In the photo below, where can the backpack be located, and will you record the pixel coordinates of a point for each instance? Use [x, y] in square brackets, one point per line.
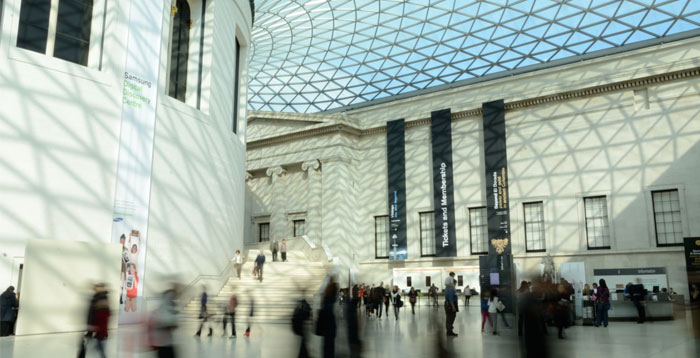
[301, 313]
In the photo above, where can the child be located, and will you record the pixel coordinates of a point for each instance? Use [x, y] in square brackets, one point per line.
[485, 310]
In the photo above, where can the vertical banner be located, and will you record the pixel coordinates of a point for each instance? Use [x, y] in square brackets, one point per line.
[692, 267]
[441, 134]
[133, 186]
[499, 262]
[396, 175]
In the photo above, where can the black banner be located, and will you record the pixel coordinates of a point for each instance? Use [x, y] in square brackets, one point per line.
[496, 269]
[496, 162]
[692, 267]
[630, 271]
[441, 134]
[396, 174]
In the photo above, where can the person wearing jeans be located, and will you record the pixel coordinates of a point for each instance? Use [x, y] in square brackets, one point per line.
[602, 304]
[485, 310]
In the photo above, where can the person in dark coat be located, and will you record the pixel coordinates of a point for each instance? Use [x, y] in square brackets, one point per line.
[259, 263]
[8, 304]
[326, 320]
[97, 320]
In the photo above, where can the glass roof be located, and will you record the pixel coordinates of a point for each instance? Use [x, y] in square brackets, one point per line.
[318, 55]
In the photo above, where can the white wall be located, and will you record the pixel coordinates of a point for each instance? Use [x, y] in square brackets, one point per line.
[61, 123]
[57, 284]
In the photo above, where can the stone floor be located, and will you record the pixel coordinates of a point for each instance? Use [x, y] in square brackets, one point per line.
[410, 336]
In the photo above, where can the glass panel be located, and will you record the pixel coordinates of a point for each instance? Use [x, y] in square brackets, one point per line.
[73, 31]
[179, 51]
[33, 25]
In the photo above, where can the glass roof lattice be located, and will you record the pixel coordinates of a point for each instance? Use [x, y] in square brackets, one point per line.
[328, 55]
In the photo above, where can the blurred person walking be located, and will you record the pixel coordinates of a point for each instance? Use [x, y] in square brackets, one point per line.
[238, 263]
[379, 298]
[602, 303]
[326, 325]
[274, 247]
[162, 324]
[485, 310]
[387, 300]
[396, 300]
[432, 293]
[251, 313]
[97, 321]
[259, 263]
[352, 322]
[467, 296]
[230, 315]
[451, 307]
[204, 313]
[412, 294]
[283, 250]
[521, 297]
[8, 305]
[302, 313]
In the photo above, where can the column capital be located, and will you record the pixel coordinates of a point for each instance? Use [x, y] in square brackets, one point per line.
[276, 170]
[311, 165]
[248, 176]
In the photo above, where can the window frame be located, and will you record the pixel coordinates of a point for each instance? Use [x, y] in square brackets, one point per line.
[653, 212]
[376, 239]
[294, 227]
[260, 231]
[98, 24]
[431, 233]
[236, 84]
[607, 219]
[525, 222]
[471, 238]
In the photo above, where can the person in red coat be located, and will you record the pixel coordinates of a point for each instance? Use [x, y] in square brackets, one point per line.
[98, 319]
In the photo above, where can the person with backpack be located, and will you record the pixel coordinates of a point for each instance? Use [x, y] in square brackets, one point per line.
[302, 313]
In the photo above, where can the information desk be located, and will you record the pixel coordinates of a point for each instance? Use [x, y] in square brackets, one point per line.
[655, 310]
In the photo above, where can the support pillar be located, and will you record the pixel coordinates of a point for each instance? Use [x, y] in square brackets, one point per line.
[278, 222]
[315, 200]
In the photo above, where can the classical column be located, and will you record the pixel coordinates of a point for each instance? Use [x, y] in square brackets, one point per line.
[339, 198]
[277, 206]
[314, 203]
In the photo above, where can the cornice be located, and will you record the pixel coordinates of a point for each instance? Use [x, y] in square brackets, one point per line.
[476, 112]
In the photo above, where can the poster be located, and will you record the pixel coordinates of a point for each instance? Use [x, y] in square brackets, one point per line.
[396, 175]
[133, 186]
[692, 266]
[441, 137]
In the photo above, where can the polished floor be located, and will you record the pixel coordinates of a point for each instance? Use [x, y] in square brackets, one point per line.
[410, 336]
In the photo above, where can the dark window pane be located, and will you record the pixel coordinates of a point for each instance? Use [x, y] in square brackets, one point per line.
[179, 51]
[73, 31]
[33, 25]
[235, 86]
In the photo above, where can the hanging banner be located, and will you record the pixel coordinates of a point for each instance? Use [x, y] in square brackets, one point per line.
[692, 267]
[396, 174]
[499, 262]
[496, 162]
[133, 186]
[441, 134]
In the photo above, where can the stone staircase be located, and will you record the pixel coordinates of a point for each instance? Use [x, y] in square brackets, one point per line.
[275, 298]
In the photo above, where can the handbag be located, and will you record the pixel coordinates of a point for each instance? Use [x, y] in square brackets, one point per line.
[500, 306]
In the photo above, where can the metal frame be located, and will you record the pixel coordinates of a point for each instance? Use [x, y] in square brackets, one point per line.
[607, 218]
[319, 55]
[525, 226]
[420, 232]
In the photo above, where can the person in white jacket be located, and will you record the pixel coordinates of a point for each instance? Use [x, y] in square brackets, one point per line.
[495, 307]
[163, 322]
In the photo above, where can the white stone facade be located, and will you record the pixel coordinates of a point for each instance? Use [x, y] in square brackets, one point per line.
[60, 130]
[620, 126]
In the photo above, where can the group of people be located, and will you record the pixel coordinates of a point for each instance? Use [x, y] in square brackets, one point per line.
[229, 315]
[376, 298]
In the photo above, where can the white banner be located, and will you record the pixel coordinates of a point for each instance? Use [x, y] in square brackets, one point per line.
[133, 187]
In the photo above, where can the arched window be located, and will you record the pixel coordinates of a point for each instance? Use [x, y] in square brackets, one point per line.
[179, 50]
[59, 28]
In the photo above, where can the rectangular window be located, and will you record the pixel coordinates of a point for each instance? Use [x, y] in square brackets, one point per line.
[264, 232]
[534, 227]
[381, 237]
[58, 28]
[460, 280]
[427, 233]
[236, 75]
[408, 281]
[667, 217]
[299, 227]
[478, 231]
[597, 228]
[427, 281]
